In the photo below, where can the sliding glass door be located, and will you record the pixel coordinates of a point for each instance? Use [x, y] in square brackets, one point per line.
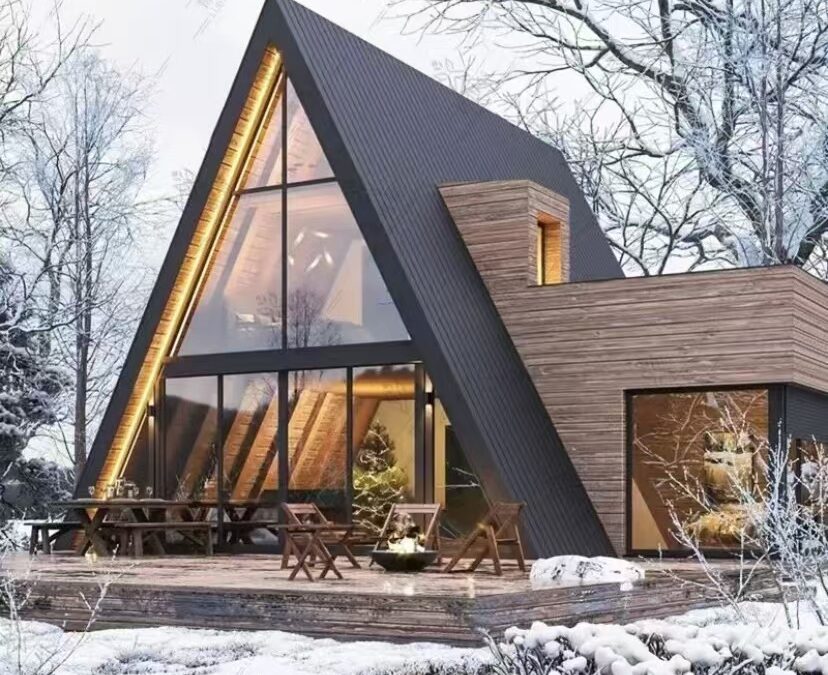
[190, 441]
[354, 441]
[317, 442]
[384, 469]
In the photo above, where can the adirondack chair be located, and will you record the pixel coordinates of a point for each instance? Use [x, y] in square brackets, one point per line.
[500, 527]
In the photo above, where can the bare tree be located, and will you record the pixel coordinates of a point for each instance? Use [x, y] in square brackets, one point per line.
[84, 215]
[719, 108]
[30, 60]
[749, 494]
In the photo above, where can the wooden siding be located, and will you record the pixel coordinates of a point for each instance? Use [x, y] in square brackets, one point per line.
[585, 343]
[500, 226]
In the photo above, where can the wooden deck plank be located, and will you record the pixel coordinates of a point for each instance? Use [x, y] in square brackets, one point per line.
[250, 592]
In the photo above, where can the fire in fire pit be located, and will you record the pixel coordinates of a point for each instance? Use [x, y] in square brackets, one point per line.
[405, 552]
[406, 537]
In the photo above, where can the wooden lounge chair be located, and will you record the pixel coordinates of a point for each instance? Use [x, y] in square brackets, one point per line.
[500, 527]
[337, 536]
[429, 514]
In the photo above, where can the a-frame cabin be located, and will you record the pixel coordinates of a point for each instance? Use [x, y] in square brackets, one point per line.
[318, 303]
[378, 291]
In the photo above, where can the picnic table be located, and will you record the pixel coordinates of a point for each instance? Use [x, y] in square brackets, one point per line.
[239, 523]
[240, 515]
[307, 540]
[106, 510]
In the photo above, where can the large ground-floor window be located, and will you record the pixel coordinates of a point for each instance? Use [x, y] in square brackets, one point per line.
[352, 440]
[694, 457]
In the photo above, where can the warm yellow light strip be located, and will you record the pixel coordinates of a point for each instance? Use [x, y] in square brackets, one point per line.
[198, 252]
[249, 158]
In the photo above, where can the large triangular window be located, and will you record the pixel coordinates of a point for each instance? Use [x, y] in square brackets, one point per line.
[290, 267]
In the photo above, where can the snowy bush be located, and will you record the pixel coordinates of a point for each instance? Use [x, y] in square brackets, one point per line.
[663, 648]
[575, 569]
[14, 536]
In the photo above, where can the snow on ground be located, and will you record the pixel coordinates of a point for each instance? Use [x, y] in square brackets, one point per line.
[14, 536]
[700, 641]
[575, 569]
[181, 650]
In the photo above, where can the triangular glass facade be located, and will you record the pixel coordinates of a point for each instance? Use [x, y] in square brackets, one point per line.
[290, 268]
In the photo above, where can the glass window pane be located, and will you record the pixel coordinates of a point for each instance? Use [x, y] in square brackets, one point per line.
[138, 468]
[305, 157]
[384, 422]
[694, 454]
[335, 292]
[265, 166]
[190, 459]
[456, 485]
[251, 421]
[239, 306]
[317, 439]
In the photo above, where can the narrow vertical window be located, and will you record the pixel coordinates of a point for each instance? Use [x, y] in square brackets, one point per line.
[549, 267]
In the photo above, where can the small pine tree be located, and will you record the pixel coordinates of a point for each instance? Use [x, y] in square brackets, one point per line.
[378, 481]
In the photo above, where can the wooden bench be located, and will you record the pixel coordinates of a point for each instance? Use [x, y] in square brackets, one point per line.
[131, 535]
[41, 533]
[239, 530]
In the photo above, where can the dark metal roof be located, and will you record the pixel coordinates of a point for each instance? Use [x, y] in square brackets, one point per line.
[392, 136]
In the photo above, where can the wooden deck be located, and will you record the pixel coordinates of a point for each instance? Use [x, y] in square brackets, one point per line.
[251, 592]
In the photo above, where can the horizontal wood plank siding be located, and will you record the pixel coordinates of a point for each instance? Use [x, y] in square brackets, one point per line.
[585, 343]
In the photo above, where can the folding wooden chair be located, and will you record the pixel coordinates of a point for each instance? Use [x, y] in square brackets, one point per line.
[500, 527]
[429, 514]
[309, 514]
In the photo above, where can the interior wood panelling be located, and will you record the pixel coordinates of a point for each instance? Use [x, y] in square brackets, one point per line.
[585, 343]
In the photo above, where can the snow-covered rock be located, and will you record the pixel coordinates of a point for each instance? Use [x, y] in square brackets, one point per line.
[567, 570]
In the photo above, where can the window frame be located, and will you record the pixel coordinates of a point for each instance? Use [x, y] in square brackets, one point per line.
[544, 228]
[775, 416]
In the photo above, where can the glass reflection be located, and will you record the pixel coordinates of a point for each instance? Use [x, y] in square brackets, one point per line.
[305, 158]
[335, 292]
[693, 455]
[384, 422]
[265, 166]
[251, 421]
[191, 419]
[317, 439]
[456, 485]
[239, 307]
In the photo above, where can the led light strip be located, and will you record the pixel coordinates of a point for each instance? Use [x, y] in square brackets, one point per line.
[211, 224]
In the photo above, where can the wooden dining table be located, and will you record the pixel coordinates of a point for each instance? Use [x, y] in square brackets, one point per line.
[236, 510]
[93, 514]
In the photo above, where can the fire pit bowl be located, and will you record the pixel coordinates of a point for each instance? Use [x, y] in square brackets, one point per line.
[391, 561]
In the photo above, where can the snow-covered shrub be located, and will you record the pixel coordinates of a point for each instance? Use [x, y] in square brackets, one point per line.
[576, 569]
[14, 536]
[662, 648]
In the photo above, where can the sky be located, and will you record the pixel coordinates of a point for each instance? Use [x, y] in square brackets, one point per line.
[192, 49]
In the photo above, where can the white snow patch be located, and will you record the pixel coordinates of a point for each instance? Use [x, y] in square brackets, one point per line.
[181, 650]
[567, 570]
[14, 536]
